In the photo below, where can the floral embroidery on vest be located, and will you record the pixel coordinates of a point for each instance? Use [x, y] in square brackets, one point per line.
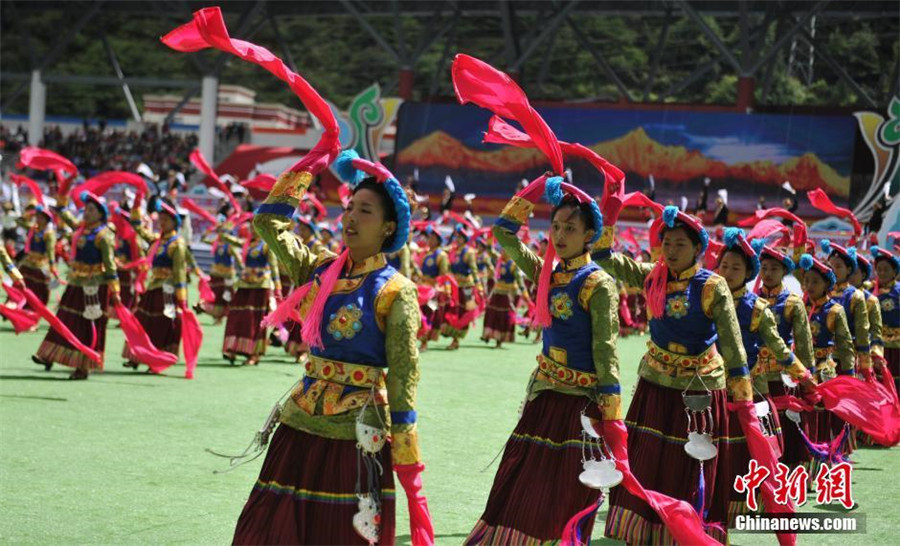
[345, 324]
[677, 306]
[561, 306]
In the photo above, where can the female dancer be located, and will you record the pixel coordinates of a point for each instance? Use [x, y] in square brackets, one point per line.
[160, 307]
[226, 251]
[92, 285]
[738, 265]
[695, 352]
[39, 264]
[793, 327]
[831, 336]
[500, 314]
[366, 315]
[577, 373]
[464, 268]
[435, 264]
[887, 287]
[244, 335]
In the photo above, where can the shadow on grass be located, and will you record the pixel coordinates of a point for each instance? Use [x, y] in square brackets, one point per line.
[34, 377]
[24, 397]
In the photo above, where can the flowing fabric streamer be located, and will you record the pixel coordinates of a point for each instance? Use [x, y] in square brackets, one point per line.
[45, 160]
[206, 292]
[761, 450]
[192, 339]
[101, 183]
[821, 201]
[868, 406]
[38, 306]
[139, 342]
[200, 162]
[770, 230]
[421, 528]
[311, 331]
[479, 83]
[264, 182]
[16, 295]
[640, 200]
[192, 206]
[207, 29]
[22, 320]
[20, 179]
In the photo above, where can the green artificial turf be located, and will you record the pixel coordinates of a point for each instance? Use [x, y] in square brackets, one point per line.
[120, 458]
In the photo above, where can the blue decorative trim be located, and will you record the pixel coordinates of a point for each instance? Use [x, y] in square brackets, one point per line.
[878, 342]
[281, 209]
[403, 417]
[863, 348]
[739, 372]
[604, 254]
[787, 361]
[508, 225]
[609, 389]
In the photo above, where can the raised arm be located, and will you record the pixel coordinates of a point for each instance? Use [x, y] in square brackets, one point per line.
[618, 265]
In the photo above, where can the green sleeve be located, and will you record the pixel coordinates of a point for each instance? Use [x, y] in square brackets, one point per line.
[768, 332]
[190, 260]
[8, 265]
[178, 252]
[603, 307]
[721, 309]
[50, 242]
[405, 262]
[67, 217]
[273, 223]
[402, 354]
[443, 264]
[876, 326]
[860, 321]
[525, 259]
[803, 341]
[843, 342]
[621, 267]
[273, 265]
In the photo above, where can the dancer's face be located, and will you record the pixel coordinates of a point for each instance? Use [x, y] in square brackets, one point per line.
[839, 266]
[92, 213]
[814, 284]
[567, 230]
[678, 250]
[856, 278]
[885, 272]
[771, 272]
[166, 223]
[733, 268]
[365, 226]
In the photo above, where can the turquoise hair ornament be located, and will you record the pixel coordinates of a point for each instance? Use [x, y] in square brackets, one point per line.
[553, 191]
[345, 170]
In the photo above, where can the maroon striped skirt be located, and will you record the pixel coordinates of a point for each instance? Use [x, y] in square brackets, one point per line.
[218, 308]
[657, 433]
[37, 281]
[434, 316]
[536, 490]
[500, 318]
[306, 493]
[56, 349]
[458, 309]
[164, 332]
[244, 335]
[126, 288]
[637, 303]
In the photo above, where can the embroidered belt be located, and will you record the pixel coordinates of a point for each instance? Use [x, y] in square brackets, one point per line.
[255, 274]
[561, 374]
[219, 270]
[507, 287]
[704, 363]
[824, 352]
[79, 269]
[464, 281]
[890, 334]
[36, 260]
[354, 375]
[161, 273]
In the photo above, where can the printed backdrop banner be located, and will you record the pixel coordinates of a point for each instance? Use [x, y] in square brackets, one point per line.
[751, 156]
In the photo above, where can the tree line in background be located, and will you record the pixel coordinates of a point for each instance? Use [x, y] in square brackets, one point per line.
[341, 58]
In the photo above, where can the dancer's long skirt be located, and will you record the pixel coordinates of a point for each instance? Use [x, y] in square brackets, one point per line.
[56, 349]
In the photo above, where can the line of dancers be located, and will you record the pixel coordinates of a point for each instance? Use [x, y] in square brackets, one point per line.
[730, 372]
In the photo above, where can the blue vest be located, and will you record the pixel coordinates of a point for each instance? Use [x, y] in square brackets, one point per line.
[744, 307]
[890, 307]
[89, 253]
[570, 328]
[507, 274]
[38, 244]
[124, 250]
[684, 322]
[162, 258]
[350, 332]
[482, 263]
[430, 263]
[818, 324]
[844, 299]
[222, 255]
[460, 267]
[778, 305]
[257, 256]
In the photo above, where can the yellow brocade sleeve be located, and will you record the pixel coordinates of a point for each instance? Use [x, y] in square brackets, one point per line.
[861, 328]
[402, 354]
[843, 342]
[50, 243]
[803, 343]
[9, 266]
[178, 252]
[876, 335]
[274, 225]
[525, 259]
[768, 332]
[106, 243]
[406, 262]
[621, 267]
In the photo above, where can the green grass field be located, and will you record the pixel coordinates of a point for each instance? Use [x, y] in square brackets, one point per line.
[120, 458]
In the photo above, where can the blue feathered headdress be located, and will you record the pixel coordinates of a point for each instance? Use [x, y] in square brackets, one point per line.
[879, 253]
[100, 202]
[734, 239]
[846, 254]
[808, 263]
[354, 174]
[763, 251]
